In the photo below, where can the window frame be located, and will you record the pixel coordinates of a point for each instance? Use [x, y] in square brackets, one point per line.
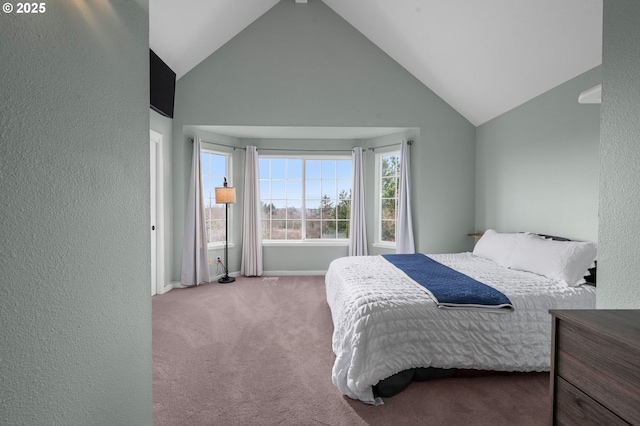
[378, 197]
[229, 176]
[317, 242]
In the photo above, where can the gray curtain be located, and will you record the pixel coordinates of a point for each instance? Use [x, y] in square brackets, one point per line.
[404, 224]
[195, 264]
[252, 225]
[358, 230]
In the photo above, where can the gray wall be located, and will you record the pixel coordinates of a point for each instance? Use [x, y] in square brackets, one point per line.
[619, 231]
[537, 165]
[303, 65]
[75, 340]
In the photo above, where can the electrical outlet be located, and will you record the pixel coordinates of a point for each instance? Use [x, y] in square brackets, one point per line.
[209, 261]
[218, 260]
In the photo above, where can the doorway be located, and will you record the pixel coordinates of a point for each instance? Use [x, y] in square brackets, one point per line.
[156, 210]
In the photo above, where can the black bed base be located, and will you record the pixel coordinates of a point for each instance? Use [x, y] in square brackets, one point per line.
[398, 382]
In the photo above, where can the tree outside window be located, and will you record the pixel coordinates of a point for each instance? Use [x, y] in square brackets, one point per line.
[214, 170]
[388, 201]
[305, 198]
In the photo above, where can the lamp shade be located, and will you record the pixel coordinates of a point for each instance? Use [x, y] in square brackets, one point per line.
[225, 195]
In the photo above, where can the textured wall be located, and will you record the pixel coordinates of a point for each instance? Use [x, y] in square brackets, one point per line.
[75, 340]
[619, 233]
[303, 65]
[537, 165]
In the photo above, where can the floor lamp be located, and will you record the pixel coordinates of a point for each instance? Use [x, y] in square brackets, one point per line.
[226, 195]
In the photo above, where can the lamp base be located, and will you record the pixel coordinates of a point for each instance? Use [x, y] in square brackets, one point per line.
[226, 279]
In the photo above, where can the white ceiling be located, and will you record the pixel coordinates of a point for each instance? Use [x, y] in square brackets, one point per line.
[483, 57]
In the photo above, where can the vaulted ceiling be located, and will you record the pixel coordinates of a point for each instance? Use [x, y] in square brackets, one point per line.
[483, 57]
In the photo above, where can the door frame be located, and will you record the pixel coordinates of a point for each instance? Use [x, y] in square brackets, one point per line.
[156, 172]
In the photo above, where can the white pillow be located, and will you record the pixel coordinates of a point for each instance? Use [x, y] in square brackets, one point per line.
[565, 261]
[498, 246]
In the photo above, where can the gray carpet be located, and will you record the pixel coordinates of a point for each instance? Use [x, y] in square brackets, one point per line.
[258, 352]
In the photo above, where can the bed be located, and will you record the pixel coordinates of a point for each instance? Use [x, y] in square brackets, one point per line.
[386, 323]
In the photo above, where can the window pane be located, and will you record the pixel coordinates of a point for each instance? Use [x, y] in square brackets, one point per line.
[218, 165]
[265, 189]
[312, 168]
[329, 189]
[389, 187]
[266, 229]
[313, 209]
[344, 209]
[217, 212]
[344, 189]
[294, 169]
[207, 190]
[313, 229]
[279, 189]
[294, 230]
[313, 189]
[388, 231]
[279, 209]
[294, 189]
[294, 209]
[266, 210]
[278, 229]
[343, 229]
[390, 165]
[264, 168]
[278, 168]
[328, 209]
[388, 209]
[328, 169]
[217, 230]
[344, 169]
[328, 229]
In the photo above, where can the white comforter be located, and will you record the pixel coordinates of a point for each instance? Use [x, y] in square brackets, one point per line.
[384, 322]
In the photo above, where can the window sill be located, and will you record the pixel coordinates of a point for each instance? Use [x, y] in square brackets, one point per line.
[289, 243]
[217, 246]
[384, 245]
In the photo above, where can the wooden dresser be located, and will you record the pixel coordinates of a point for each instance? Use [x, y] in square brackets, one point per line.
[595, 367]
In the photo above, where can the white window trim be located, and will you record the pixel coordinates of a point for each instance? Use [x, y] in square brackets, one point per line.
[342, 242]
[384, 244]
[336, 242]
[377, 242]
[228, 156]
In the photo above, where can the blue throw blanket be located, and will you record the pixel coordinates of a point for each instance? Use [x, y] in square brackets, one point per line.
[450, 288]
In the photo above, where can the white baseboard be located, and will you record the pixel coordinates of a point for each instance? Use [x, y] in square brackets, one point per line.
[292, 273]
[170, 286]
[176, 284]
[275, 273]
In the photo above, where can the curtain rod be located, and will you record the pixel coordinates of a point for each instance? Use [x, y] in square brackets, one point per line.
[305, 150]
[410, 142]
[276, 149]
[219, 144]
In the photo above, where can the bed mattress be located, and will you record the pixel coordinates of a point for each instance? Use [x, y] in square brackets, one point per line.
[384, 322]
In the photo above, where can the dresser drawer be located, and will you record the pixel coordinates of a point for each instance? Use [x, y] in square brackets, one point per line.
[600, 366]
[574, 407]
